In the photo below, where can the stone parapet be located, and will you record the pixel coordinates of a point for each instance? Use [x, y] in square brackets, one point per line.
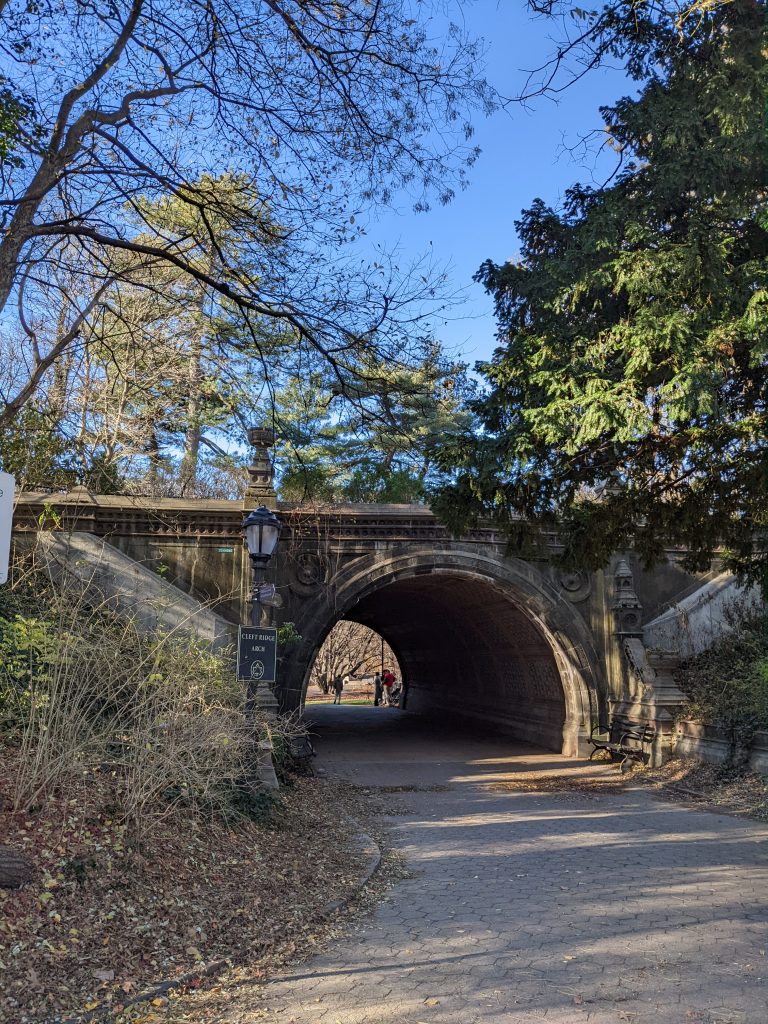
[344, 524]
[708, 744]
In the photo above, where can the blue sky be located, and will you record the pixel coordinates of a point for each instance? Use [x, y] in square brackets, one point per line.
[522, 157]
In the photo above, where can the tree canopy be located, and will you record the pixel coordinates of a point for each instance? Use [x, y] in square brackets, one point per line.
[380, 449]
[158, 398]
[626, 402]
[119, 125]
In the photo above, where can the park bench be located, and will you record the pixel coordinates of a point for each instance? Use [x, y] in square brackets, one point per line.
[627, 740]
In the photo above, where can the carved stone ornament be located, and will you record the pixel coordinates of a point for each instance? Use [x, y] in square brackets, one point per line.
[627, 610]
[576, 585]
[643, 673]
[308, 573]
[261, 488]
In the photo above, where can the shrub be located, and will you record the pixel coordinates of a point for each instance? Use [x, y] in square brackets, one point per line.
[86, 694]
[728, 687]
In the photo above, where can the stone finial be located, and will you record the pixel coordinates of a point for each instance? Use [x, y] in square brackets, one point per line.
[80, 493]
[261, 489]
[627, 609]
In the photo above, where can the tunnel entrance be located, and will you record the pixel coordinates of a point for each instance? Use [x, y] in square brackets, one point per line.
[487, 642]
[467, 650]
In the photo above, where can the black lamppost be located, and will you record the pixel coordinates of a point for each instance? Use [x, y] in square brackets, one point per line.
[262, 532]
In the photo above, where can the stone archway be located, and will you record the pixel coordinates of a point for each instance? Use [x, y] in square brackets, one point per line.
[488, 639]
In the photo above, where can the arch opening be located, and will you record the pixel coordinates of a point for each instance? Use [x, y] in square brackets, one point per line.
[475, 636]
[467, 650]
[486, 638]
[354, 653]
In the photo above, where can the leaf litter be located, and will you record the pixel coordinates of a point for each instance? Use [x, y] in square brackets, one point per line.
[100, 923]
[744, 794]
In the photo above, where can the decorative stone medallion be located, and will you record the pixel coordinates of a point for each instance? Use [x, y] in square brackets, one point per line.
[576, 585]
[308, 573]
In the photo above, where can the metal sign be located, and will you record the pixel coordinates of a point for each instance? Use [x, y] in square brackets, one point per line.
[7, 484]
[257, 653]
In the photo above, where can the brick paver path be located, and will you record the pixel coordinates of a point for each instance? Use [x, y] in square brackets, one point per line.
[527, 907]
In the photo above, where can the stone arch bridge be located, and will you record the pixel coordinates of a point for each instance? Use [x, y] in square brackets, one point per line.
[541, 653]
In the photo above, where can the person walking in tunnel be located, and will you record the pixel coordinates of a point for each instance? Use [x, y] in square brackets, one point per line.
[377, 690]
[389, 681]
[338, 686]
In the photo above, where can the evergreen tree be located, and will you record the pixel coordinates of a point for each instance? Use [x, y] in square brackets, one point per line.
[378, 448]
[626, 403]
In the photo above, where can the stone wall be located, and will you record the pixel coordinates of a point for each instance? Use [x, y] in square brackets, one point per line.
[132, 588]
[211, 569]
[705, 743]
[697, 621]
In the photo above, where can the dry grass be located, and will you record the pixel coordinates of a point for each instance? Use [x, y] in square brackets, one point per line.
[745, 795]
[83, 690]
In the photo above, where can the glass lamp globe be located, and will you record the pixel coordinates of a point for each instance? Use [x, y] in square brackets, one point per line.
[262, 532]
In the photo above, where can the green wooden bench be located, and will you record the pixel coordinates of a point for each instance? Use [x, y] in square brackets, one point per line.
[627, 740]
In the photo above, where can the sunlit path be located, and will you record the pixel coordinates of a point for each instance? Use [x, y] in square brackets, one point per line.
[525, 907]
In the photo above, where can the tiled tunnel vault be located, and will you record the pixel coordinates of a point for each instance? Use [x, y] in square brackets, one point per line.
[465, 648]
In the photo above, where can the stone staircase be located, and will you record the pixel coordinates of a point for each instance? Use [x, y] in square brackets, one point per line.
[682, 631]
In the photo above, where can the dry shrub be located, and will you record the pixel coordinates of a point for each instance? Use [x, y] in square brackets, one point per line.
[727, 686]
[84, 691]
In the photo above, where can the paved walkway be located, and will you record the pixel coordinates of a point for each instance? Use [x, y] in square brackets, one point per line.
[526, 907]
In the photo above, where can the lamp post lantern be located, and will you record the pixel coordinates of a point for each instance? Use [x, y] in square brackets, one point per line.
[262, 532]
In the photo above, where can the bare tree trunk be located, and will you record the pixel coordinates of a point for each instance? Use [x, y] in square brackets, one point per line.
[85, 398]
[15, 868]
[189, 463]
[153, 452]
[192, 435]
[112, 437]
[59, 389]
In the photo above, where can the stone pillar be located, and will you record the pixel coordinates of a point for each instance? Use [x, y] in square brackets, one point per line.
[261, 491]
[261, 488]
[627, 610]
[627, 617]
[650, 692]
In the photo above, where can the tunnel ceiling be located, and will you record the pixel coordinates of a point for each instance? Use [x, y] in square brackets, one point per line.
[465, 647]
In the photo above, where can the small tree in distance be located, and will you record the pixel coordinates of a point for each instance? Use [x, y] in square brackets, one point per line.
[350, 649]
